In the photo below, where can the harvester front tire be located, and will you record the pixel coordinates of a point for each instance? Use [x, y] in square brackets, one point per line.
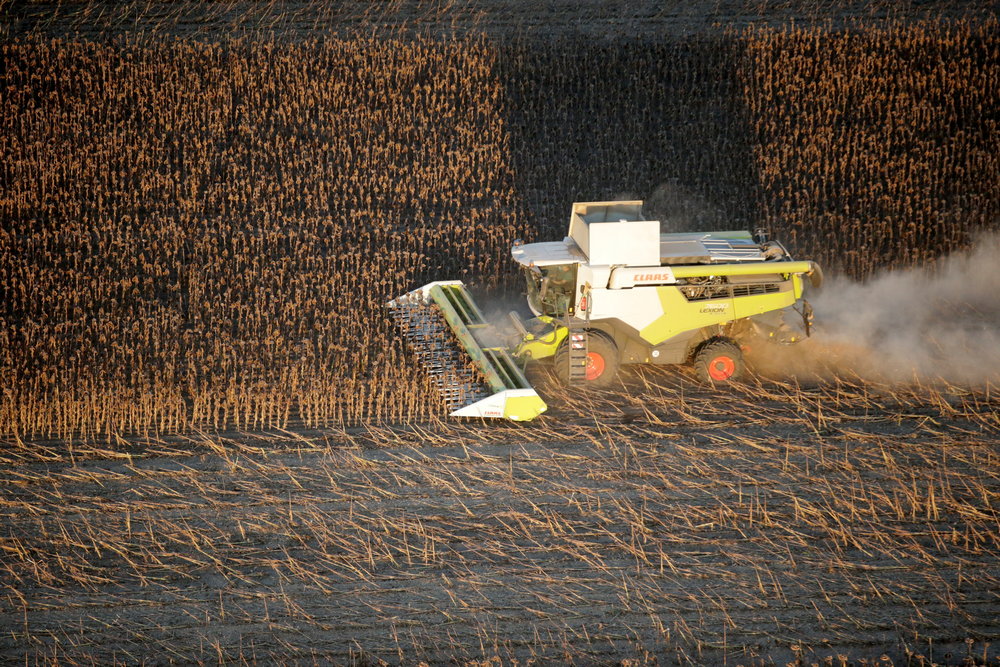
[602, 361]
[719, 362]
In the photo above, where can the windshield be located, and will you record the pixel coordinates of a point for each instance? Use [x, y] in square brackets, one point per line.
[551, 289]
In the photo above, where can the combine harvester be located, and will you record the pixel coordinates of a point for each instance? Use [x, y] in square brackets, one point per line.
[614, 291]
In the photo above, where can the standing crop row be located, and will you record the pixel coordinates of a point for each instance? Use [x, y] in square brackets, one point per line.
[196, 234]
[206, 233]
[877, 148]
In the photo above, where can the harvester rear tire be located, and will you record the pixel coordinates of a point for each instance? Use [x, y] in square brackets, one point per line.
[602, 361]
[719, 361]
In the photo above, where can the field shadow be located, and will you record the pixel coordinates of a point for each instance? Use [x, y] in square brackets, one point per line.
[637, 117]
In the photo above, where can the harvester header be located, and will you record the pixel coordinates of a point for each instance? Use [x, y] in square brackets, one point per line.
[472, 369]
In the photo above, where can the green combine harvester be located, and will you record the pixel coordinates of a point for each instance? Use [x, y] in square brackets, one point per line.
[614, 291]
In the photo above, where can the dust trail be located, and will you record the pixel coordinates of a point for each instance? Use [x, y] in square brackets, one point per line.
[934, 323]
[496, 309]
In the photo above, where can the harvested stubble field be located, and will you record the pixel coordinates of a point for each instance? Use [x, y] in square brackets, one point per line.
[216, 448]
[828, 524]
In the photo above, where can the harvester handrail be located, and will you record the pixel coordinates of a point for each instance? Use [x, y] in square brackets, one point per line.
[746, 269]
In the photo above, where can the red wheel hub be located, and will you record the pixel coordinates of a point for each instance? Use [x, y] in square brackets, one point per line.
[595, 365]
[721, 368]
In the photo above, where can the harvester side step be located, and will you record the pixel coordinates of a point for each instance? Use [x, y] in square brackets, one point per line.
[578, 351]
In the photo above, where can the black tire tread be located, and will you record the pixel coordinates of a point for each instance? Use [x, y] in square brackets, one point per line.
[607, 349]
[713, 348]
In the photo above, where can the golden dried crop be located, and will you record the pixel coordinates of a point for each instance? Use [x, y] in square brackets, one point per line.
[206, 233]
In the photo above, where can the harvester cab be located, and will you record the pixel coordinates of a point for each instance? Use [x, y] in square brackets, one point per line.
[614, 291]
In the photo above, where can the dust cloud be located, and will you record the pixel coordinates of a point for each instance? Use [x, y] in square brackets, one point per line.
[496, 309]
[680, 210]
[936, 323]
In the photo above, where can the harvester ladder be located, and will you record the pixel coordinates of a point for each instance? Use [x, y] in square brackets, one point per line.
[577, 355]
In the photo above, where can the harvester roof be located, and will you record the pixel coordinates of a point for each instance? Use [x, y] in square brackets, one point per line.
[709, 248]
[548, 253]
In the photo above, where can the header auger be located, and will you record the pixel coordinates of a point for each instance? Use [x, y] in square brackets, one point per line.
[615, 291]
